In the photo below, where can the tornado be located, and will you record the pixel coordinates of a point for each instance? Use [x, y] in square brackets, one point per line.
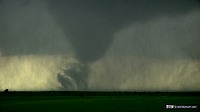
[99, 44]
[91, 27]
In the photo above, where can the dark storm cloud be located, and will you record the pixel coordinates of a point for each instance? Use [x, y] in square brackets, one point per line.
[91, 24]
[131, 44]
[27, 27]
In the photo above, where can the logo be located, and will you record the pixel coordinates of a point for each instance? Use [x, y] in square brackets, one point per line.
[169, 106]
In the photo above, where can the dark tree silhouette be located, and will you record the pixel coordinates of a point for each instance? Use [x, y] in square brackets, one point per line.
[6, 91]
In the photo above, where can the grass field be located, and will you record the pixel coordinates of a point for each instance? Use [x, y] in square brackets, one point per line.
[93, 103]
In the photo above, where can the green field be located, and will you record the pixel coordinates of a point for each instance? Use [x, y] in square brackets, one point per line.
[93, 103]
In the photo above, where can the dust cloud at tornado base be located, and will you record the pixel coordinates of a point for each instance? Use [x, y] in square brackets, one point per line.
[161, 54]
